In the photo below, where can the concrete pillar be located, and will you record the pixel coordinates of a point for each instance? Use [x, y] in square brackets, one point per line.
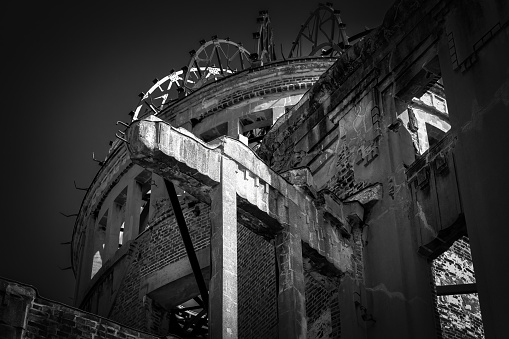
[391, 259]
[234, 128]
[477, 99]
[132, 211]
[115, 219]
[158, 193]
[223, 244]
[291, 293]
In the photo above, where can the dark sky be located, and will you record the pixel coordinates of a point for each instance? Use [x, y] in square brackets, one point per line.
[70, 71]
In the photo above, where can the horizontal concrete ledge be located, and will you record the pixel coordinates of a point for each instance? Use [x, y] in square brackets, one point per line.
[456, 289]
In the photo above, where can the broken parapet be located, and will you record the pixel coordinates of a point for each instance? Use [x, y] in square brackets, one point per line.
[25, 314]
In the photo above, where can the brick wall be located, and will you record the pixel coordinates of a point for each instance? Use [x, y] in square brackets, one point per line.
[159, 245]
[164, 244]
[24, 314]
[343, 183]
[322, 306]
[357, 244]
[257, 290]
[128, 308]
[460, 315]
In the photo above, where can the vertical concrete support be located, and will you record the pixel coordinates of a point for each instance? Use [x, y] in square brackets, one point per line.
[234, 128]
[157, 196]
[391, 261]
[132, 211]
[291, 294]
[223, 244]
[115, 219]
[477, 88]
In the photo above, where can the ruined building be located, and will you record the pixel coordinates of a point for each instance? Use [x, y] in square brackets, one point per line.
[343, 191]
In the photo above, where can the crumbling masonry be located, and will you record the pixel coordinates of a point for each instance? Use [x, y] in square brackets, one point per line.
[332, 196]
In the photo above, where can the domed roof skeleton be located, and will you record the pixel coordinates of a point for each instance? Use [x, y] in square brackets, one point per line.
[324, 30]
[215, 58]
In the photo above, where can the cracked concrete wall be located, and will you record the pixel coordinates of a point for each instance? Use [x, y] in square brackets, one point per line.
[345, 131]
[346, 157]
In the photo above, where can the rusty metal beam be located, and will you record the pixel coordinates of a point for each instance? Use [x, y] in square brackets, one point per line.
[184, 232]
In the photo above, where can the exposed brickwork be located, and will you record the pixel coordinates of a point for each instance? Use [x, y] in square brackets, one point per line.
[358, 262]
[161, 244]
[257, 290]
[460, 315]
[343, 184]
[335, 314]
[47, 319]
[165, 245]
[322, 307]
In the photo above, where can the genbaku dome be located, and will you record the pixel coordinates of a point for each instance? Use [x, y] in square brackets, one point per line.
[343, 190]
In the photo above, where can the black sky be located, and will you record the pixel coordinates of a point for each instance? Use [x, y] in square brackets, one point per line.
[70, 71]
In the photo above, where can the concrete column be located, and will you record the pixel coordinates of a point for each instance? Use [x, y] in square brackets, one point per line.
[223, 244]
[132, 211]
[157, 195]
[115, 219]
[234, 128]
[291, 293]
[477, 99]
